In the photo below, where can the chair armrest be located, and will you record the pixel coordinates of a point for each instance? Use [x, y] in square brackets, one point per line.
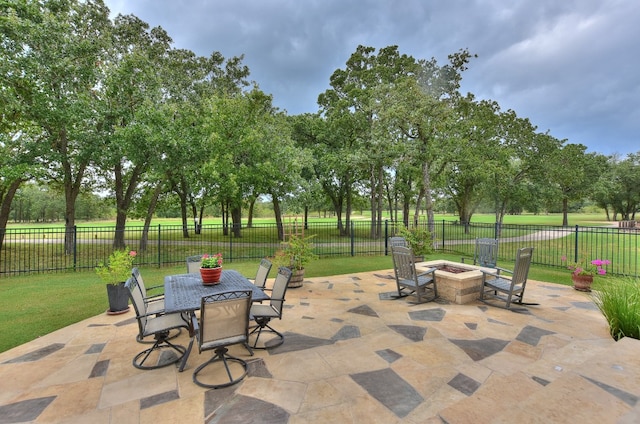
[429, 271]
[156, 298]
[155, 288]
[194, 322]
[508, 271]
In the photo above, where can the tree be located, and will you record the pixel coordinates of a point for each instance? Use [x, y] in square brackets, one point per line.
[572, 172]
[133, 89]
[349, 105]
[55, 49]
[618, 188]
[417, 110]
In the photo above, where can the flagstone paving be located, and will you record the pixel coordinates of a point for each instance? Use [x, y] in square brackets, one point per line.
[353, 353]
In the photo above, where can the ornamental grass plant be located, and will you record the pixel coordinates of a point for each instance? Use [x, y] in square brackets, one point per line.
[619, 301]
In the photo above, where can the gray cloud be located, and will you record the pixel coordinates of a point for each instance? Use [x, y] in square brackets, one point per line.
[569, 66]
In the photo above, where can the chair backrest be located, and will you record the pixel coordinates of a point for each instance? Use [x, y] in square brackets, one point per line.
[263, 273]
[224, 319]
[135, 273]
[403, 263]
[398, 241]
[521, 268]
[280, 289]
[139, 305]
[193, 263]
[486, 253]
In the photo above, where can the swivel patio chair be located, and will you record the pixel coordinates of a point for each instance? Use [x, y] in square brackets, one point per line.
[155, 303]
[224, 321]
[163, 352]
[193, 264]
[408, 281]
[263, 273]
[262, 314]
[499, 288]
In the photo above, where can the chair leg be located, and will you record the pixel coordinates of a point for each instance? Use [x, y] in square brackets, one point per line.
[164, 354]
[263, 325]
[221, 356]
[185, 357]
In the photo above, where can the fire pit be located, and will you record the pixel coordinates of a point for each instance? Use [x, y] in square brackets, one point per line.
[457, 283]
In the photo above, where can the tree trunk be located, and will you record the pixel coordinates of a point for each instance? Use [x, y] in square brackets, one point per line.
[224, 207]
[380, 201]
[426, 185]
[278, 214]
[252, 203]
[5, 207]
[565, 212]
[236, 218]
[372, 204]
[153, 202]
[182, 195]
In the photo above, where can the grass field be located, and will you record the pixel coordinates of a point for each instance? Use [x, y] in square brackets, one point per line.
[523, 219]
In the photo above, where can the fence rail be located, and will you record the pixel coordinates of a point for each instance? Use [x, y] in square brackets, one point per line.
[35, 250]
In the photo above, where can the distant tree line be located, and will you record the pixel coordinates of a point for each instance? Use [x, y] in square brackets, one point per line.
[93, 104]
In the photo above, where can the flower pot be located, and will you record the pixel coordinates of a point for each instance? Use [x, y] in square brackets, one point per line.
[582, 282]
[296, 278]
[211, 275]
[118, 298]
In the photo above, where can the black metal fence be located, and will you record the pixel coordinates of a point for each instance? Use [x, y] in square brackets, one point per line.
[28, 250]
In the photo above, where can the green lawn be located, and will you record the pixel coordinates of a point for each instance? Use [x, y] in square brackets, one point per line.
[586, 219]
[34, 305]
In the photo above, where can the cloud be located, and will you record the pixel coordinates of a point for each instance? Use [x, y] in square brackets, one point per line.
[569, 66]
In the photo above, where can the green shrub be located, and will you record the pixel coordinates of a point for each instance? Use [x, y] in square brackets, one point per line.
[619, 301]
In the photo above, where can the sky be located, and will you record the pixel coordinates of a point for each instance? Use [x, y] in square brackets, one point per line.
[570, 66]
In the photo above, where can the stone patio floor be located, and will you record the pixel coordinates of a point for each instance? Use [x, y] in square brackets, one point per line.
[352, 354]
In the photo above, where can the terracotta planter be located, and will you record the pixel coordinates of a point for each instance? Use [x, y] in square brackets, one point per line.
[582, 282]
[210, 275]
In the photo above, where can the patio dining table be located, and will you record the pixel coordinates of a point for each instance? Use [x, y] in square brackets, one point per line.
[184, 293]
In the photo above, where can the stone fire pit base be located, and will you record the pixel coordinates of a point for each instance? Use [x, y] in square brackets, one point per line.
[459, 288]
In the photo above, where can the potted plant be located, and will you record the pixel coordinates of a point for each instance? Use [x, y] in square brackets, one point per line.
[295, 254]
[211, 268]
[115, 272]
[419, 240]
[583, 271]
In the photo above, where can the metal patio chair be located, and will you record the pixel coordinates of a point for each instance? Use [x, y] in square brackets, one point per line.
[163, 352]
[224, 321]
[262, 314]
[193, 264]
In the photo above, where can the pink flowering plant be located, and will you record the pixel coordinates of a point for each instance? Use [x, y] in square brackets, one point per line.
[585, 267]
[118, 267]
[211, 261]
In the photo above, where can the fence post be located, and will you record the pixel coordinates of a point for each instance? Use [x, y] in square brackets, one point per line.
[352, 239]
[75, 246]
[442, 245]
[159, 241]
[230, 246]
[575, 249]
[386, 237]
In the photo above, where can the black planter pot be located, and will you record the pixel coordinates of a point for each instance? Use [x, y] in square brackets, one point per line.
[118, 298]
